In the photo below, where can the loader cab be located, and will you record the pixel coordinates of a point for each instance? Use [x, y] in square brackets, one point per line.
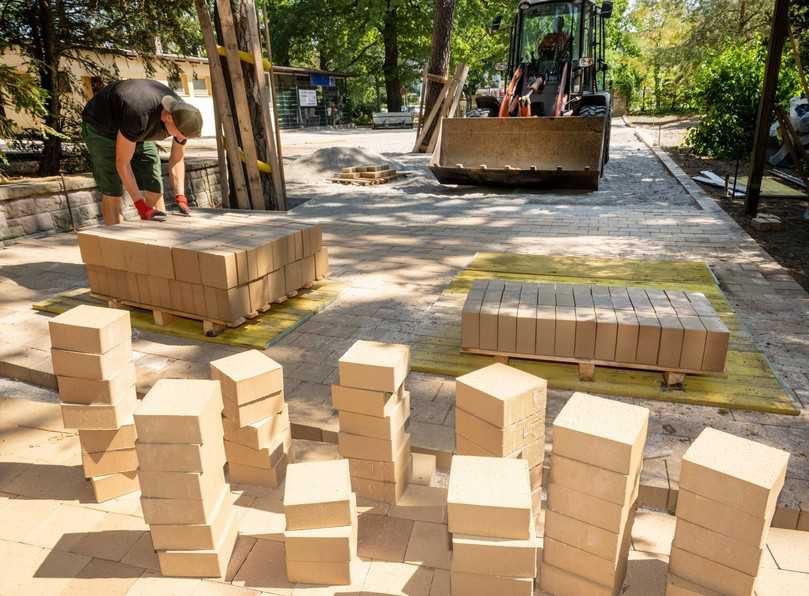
[561, 42]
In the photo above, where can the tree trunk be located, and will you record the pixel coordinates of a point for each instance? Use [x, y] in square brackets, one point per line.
[393, 85]
[439, 57]
[43, 16]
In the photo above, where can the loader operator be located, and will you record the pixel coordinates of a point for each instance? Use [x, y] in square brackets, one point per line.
[554, 43]
[120, 125]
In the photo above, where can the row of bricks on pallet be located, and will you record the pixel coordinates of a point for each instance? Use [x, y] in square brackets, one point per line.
[203, 300]
[213, 255]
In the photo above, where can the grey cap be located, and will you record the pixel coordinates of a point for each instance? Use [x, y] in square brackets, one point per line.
[187, 118]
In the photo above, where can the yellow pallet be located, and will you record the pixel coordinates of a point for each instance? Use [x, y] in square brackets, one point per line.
[258, 333]
[749, 385]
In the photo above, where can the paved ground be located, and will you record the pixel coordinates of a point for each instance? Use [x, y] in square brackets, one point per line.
[398, 246]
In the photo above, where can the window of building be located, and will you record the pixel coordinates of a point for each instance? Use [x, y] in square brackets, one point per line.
[200, 88]
[177, 86]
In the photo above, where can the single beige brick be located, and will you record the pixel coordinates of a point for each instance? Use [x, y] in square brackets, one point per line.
[565, 338]
[717, 547]
[90, 329]
[325, 573]
[564, 295]
[608, 573]
[734, 471]
[507, 318]
[626, 339]
[671, 342]
[181, 485]
[112, 486]
[201, 563]
[592, 510]
[374, 365]
[677, 586]
[248, 413]
[495, 556]
[382, 471]
[546, 330]
[322, 544]
[217, 267]
[620, 299]
[180, 411]
[363, 401]
[500, 394]
[710, 574]
[109, 462]
[271, 477]
[489, 496]
[606, 333]
[259, 434]
[195, 536]
[183, 511]
[95, 441]
[585, 344]
[470, 315]
[322, 263]
[99, 416]
[527, 319]
[361, 447]
[180, 457]
[605, 433]
[596, 541]
[496, 440]
[648, 338]
[726, 520]
[384, 492]
[562, 583]
[475, 584]
[85, 391]
[386, 427]
[694, 336]
[716, 344]
[259, 458]
[592, 480]
[489, 311]
[247, 376]
[318, 495]
[95, 367]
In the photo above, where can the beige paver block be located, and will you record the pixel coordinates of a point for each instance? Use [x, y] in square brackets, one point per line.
[99, 416]
[717, 547]
[318, 495]
[422, 503]
[645, 574]
[259, 434]
[303, 450]
[103, 577]
[264, 569]
[397, 579]
[244, 544]
[721, 518]
[201, 563]
[84, 391]
[251, 412]
[364, 401]
[375, 365]
[423, 468]
[109, 462]
[654, 484]
[790, 548]
[65, 527]
[383, 538]
[37, 570]
[597, 541]
[179, 411]
[735, 471]
[327, 545]
[475, 584]
[247, 376]
[441, 585]
[500, 394]
[44, 481]
[653, 532]
[775, 582]
[90, 329]
[18, 517]
[495, 556]
[358, 575]
[592, 480]
[96, 367]
[589, 509]
[21, 445]
[605, 433]
[112, 539]
[709, 573]
[264, 519]
[152, 582]
[561, 582]
[429, 545]
[142, 554]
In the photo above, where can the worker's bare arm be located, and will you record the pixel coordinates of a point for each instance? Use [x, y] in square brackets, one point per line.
[177, 167]
[124, 150]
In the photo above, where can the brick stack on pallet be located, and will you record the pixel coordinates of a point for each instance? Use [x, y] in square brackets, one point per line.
[218, 268]
[592, 495]
[92, 361]
[184, 496]
[258, 435]
[321, 523]
[728, 492]
[500, 412]
[491, 518]
[374, 407]
[647, 328]
[366, 175]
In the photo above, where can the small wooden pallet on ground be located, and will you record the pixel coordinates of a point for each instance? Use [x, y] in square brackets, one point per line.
[366, 175]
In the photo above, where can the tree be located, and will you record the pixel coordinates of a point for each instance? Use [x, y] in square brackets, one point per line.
[20, 91]
[440, 50]
[55, 36]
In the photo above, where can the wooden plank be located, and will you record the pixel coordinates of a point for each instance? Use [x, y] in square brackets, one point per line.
[223, 107]
[240, 99]
[451, 104]
[437, 108]
[273, 100]
[221, 158]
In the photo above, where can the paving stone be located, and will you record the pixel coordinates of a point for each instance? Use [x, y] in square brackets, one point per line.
[429, 545]
[103, 577]
[790, 549]
[653, 532]
[264, 569]
[152, 582]
[37, 570]
[422, 503]
[383, 538]
[397, 579]
[113, 538]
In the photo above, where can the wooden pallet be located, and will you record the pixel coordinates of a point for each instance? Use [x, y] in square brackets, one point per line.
[164, 316]
[366, 181]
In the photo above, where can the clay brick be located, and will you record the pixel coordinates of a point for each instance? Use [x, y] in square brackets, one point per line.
[95, 441]
[620, 299]
[626, 339]
[495, 556]
[85, 391]
[259, 434]
[507, 318]
[564, 295]
[474, 584]
[585, 343]
[322, 544]
[562, 583]
[671, 341]
[384, 492]
[546, 330]
[201, 563]
[372, 426]
[527, 319]
[592, 480]
[606, 333]
[322, 263]
[109, 462]
[90, 329]
[489, 312]
[500, 394]
[180, 457]
[259, 458]
[254, 411]
[326, 573]
[597, 541]
[363, 401]
[710, 574]
[361, 447]
[318, 495]
[90, 248]
[112, 486]
[98, 416]
[717, 547]
[565, 338]
[183, 511]
[381, 471]
[247, 376]
[470, 315]
[181, 485]
[716, 344]
[97, 367]
[271, 477]
[195, 536]
[640, 301]
[592, 510]
[677, 586]
[180, 411]
[547, 295]
[701, 304]
[648, 339]
[582, 296]
[694, 336]
[734, 471]
[422, 468]
[496, 440]
[276, 286]
[227, 305]
[601, 432]
[374, 365]
[489, 497]
[218, 268]
[726, 520]
[575, 561]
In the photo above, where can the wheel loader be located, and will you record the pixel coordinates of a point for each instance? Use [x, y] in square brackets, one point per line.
[552, 127]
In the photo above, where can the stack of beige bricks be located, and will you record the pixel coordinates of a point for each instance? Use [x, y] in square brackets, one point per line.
[728, 491]
[374, 407]
[500, 412]
[653, 328]
[219, 268]
[92, 361]
[491, 518]
[258, 436]
[184, 496]
[321, 523]
[592, 496]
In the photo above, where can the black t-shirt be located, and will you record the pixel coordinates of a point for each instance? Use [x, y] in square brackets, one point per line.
[132, 106]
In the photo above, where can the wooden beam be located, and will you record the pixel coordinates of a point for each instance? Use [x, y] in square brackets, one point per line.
[273, 102]
[420, 139]
[221, 157]
[240, 99]
[796, 52]
[454, 98]
[778, 33]
[222, 104]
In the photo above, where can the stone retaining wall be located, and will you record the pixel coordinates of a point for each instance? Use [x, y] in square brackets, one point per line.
[38, 205]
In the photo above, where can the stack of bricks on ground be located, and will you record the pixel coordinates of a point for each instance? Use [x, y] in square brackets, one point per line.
[592, 495]
[184, 496]
[491, 518]
[500, 412]
[221, 268]
[92, 361]
[728, 490]
[321, 523]
[258, 436]
[374, 408]
[663, 329]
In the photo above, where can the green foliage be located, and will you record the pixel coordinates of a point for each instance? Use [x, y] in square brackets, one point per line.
[727, 88]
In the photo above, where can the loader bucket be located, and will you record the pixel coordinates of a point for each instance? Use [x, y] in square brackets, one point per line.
[564, 152]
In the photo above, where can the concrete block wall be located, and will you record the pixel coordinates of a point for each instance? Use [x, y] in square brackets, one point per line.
[40, 205]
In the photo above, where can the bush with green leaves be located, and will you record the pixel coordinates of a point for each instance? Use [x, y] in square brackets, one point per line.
[727, 88]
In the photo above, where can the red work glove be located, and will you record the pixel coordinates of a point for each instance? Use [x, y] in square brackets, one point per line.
[182, 204]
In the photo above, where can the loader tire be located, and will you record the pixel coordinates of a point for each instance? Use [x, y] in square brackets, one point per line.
[593, 111]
